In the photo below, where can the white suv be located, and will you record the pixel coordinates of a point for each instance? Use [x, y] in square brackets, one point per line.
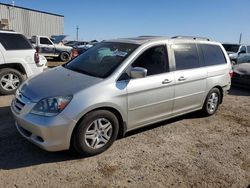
[18, 60]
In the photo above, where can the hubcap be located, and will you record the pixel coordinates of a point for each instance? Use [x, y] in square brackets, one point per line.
[98, 133]
[9, 82]
[212, 102]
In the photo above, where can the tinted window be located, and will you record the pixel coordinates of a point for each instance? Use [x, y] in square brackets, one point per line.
[102, 59]
[12, 41]
[213, 55]
[44, 41]
[154, 60]
[186, 56]
[231, 47]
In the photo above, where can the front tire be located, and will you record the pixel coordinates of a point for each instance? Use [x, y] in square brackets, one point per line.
[10, 80]
[96, 133]
[212, 102]
[64, 56]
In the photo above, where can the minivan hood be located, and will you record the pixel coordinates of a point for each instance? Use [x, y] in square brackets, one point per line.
[58, 81]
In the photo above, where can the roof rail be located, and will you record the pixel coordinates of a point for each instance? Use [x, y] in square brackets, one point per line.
[190, 37]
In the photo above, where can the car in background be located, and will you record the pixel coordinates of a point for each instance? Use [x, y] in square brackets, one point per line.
[236, 51]
[52, 47]
[18, 61]
[78, 50]
[241, 72]
[75, 43]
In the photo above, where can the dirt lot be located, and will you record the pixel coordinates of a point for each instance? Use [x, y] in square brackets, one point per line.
[190, 151]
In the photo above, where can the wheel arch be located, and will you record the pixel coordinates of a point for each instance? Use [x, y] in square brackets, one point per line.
[17, 66]
[221, 92]
[122, 124]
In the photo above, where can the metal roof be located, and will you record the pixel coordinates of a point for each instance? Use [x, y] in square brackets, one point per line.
[9, 5]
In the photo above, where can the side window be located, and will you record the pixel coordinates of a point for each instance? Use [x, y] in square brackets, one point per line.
[155, 60]
[213, 55]
[14, 41]
[45, 41]
[248, 49]
[186, 56]
[243, 49]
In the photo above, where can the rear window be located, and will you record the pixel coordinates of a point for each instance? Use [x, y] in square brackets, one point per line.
[12, 41]
[186, 56]
[213, 55]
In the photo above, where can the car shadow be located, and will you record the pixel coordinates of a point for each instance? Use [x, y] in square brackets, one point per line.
[239, 91]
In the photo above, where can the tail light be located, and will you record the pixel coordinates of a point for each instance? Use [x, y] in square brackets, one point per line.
[36, 56]
[231, 73]
[74, 52]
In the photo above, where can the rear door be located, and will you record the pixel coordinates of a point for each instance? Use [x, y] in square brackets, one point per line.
[150, 99]
[190, 78]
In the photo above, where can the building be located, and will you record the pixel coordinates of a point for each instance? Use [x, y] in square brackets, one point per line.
[30, 22]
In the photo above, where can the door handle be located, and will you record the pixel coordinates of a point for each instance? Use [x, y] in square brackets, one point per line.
[182, 78]
[166, 81]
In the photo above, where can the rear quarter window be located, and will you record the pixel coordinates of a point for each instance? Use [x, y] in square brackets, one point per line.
[14, 41]
[213, 54]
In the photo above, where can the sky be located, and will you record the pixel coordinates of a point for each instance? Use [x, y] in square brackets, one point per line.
[219, 20]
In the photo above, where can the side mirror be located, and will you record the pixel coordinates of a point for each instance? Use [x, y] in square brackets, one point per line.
[138, 72]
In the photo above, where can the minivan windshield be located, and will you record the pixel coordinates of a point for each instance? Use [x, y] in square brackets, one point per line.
[102, 59]
[231, 47]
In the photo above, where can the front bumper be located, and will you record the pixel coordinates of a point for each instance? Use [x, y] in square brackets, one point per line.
[49, 133]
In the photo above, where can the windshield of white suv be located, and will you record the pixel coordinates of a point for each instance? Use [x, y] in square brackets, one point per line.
[102, 59]
[231, 47]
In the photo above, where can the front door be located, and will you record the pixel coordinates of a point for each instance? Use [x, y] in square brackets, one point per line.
[150, 99]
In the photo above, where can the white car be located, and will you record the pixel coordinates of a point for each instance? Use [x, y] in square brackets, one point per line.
[18, 61]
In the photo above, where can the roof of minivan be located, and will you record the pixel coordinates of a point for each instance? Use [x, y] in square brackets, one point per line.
[144, 39]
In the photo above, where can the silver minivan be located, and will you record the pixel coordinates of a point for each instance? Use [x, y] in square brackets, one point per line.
[120, 85]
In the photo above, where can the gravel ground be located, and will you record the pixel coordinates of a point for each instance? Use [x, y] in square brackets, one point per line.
[190, 151]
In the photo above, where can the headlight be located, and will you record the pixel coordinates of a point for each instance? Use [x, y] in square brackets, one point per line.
[51, 106]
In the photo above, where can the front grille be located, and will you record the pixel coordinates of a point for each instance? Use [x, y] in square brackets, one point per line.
[19, 102]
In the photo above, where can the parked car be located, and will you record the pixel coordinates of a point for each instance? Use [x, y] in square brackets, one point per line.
[78, 50]
[18, 60]
[241, 76]
[76, 43]
[50, 49]
[236, 51]
[120, 85]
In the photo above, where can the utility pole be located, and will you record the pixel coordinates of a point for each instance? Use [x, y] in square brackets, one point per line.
[240, 38]
[77, 28]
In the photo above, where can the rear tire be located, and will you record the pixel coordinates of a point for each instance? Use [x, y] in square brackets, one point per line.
[64, 56]
[96, 133]
[10, 80]
[212, 102]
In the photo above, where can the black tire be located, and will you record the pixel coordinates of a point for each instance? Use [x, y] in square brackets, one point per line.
[79, 142]
[64, 56]
[207, 109]
[4, 75]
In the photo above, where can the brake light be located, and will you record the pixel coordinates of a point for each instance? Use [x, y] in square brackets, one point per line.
[231, 73]
[74, 52]
[36, 56]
